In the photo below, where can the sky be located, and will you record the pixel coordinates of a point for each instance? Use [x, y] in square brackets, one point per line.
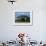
[22, 13]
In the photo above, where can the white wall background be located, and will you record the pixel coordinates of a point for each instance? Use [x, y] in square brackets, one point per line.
[9, 31]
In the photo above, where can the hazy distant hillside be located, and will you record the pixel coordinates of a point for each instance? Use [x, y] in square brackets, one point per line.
[22, 18]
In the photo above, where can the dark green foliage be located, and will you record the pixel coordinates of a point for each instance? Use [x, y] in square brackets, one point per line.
[23, 18]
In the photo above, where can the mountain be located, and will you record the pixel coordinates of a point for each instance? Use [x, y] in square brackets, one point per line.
[22, 18]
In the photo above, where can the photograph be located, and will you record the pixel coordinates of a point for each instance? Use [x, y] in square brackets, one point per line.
[23, 18]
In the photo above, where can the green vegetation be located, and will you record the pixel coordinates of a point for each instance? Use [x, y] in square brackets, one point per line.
[23, 19]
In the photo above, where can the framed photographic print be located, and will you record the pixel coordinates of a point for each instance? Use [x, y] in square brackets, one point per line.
[23, 18]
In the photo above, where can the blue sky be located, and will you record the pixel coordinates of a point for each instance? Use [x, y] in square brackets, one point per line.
[22, 13]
